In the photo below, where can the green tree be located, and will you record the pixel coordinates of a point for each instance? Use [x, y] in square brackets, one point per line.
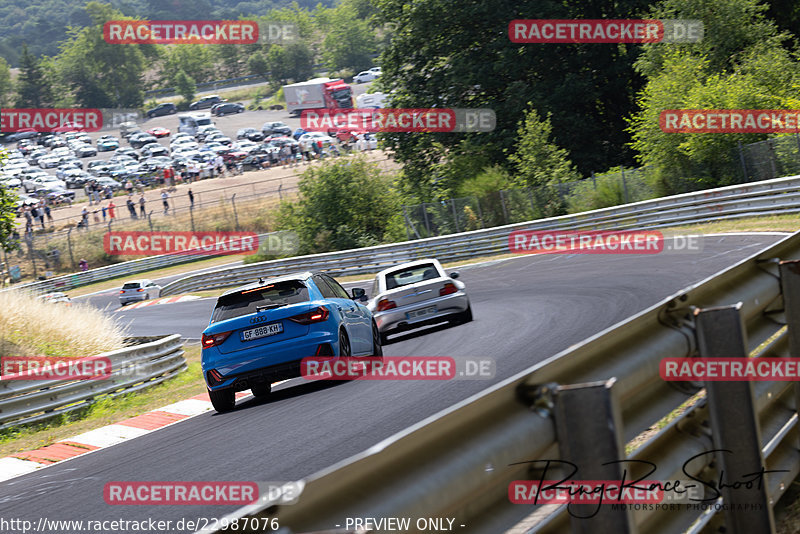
[742, 65]
[330, 214]
[350, 42]
[189, 58]
[8, 222]
[462, 58]
[103, 75]
[730, 28]
[185, 86]
[258, 64]
[299, 61]
[537, 160]
[277, 64]
[5, 83]
[32, 87]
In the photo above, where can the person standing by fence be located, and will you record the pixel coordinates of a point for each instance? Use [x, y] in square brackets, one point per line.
[142, 202]
[165, 200]
[191, 198]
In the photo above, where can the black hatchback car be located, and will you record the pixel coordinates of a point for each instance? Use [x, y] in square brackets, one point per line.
[226, 108]
[206, 102]
[161, 110]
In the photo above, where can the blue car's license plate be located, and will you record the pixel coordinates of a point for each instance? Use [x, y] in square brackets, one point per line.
[262, 331]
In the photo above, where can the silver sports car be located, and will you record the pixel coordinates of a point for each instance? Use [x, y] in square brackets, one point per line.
[415, 294]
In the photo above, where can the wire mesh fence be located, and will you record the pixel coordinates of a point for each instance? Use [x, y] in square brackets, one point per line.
[771, 158]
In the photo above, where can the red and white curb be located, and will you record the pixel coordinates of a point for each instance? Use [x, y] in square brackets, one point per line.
[25, 462]
[165, 300]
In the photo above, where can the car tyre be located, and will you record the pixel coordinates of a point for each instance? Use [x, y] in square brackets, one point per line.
[465, 316]
[377, 341]
[261, 390]
[223, 400]
[344, 344]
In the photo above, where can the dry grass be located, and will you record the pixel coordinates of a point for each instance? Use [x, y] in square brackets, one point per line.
[33, 327]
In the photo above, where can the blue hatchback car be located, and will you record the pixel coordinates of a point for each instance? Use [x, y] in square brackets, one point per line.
[259, 333]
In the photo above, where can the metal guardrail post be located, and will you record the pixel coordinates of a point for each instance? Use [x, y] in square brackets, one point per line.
[734, 423]
[588, 426]
[235, 215]
[790, 288]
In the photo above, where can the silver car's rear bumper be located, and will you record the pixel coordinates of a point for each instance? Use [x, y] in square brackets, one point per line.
[398, 319]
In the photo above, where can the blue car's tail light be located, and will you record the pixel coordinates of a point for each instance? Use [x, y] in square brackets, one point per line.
[316, 315]
[212, 340]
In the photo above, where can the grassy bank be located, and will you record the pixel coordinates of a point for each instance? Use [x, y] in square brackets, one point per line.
[33, 327]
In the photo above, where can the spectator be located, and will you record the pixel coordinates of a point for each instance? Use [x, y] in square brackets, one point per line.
[284, 154]
[111, 207]
[103, 211]
[87, 188]
[83, 265]
[47, 212]
[169, 176]
[295, 150]
[96, 217]
[142, 202]
[305, 149]
[220, 164]
[40, 213]
[131, 208]
[129, 187]
[316, 149]
[191, 198]
[165, 200]
[84, 218]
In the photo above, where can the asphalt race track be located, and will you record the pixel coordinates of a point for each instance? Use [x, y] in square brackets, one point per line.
[526, 309]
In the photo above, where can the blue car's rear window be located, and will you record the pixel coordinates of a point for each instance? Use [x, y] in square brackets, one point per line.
[248, 301]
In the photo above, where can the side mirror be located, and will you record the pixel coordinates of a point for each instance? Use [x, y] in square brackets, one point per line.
[454, 275]
[359, 294]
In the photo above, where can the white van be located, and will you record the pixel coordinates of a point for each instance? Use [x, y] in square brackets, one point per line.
[190, 122]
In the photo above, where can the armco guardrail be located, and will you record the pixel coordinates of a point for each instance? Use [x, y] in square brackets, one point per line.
[582, 405]
[146, 362]
[71, 281]
[775, 196]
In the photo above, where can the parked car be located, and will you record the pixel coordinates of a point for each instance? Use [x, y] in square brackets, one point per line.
[161, 109]
[258, 333]
[126, 151]
[82, 150]
[251, 134]
[316, 136]
[107, 143]
[276, 128]
[141, 139]
[416, 294]
[159, 132]
[206, 102]
[37, 182]
[226, 108]
[137, 290]
[365, 76]
[49, 161]
[153, 149]
[76, 178]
